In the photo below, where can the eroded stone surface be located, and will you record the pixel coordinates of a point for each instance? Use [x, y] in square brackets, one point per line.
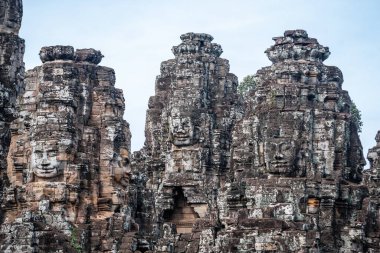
[10, 16]
[371, 205]
[284, 176]
[188, 137]
[11, 72]
[297, 159]
[280, 171]
[11, 78]
[68, 164]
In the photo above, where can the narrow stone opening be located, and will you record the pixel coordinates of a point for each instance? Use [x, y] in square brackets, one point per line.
[183, 215]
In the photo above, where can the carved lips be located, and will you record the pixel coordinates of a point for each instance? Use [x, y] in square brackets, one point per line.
[282, 155]
[182, 131]
[44, 161]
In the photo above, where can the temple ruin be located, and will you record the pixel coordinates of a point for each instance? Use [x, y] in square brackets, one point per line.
[279, 169]
[67, 182]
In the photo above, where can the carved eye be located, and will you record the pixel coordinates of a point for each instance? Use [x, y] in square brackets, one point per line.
[38, 153]
[185, 124]
[52, 153]
[286, 147]
[272, 147]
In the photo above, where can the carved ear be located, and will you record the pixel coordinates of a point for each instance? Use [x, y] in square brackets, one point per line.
[197, 132]
[29, 176]
[27, 156]
[170, 136]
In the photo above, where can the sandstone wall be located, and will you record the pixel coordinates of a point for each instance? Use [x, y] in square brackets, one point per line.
[68, 164]
[371, 204]
[296, 155]
[11, 69]
[11, 78]
[279, 169]
[188, 137]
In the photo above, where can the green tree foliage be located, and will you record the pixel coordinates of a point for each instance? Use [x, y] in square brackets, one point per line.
[247, 84]
[74, 240]
[356, 117]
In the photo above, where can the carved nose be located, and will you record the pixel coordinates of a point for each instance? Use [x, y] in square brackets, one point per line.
[181, 130]
[278, 156]
[45, 162]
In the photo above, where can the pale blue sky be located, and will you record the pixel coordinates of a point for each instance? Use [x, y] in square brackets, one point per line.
[136, 36]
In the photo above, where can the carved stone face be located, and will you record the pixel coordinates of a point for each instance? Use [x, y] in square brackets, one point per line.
[182, 130]
[122, 170]
[281, 155]
[373, 157]
[44, 160]
[10, 15]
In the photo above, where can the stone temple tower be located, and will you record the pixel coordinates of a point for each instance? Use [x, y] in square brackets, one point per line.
[188, 137]
[11, 70]
[68, 163]
[371, 205]
[11, 78]
[280, 171]
[296, 156]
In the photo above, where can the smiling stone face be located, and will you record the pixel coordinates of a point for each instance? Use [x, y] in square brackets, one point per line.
[282, 139]
[44, 160]
[281, 153]
[122, 170]
[181, 128]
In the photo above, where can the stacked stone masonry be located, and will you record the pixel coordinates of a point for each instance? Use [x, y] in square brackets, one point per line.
[11, 80]
[68, 164]
[279, 169]
[11, 72]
